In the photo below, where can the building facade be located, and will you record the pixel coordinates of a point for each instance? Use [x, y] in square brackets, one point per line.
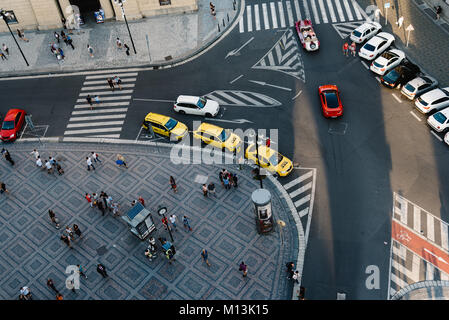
[50, 14]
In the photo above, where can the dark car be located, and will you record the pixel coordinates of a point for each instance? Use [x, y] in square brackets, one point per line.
[400, 75]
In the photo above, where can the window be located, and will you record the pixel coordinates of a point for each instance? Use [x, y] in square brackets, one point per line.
[332, 100]
[357, 33]
[369, 47]
[8, 125]
[426, 85]
[19, 114]
[276, 158]
[171, 123]
[440, 117]
[201, 102]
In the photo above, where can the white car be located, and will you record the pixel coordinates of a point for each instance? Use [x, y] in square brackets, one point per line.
[439, 121]
[197, 106]
[416, 87]
[436, 99]
[446, 138]
[387, 61]
[376, 45]
[365, 31]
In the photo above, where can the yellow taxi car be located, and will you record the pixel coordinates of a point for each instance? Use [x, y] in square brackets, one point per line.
[165, 126]
[218, 137]
[270, 159]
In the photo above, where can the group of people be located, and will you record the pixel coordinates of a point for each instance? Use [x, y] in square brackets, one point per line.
[115, 81]
[50, 165]
[68, 235]
[228, 179]
[347, 48]
[121, 45]
[103, 202]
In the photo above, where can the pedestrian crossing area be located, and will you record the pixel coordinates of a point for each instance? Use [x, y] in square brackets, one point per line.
[106, 118]
[237, 98]
[301, 190]
[282, 14]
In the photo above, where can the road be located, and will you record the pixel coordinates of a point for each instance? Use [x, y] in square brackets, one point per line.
[378, 147]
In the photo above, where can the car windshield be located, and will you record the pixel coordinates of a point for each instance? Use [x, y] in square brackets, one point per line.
[201, 102]
[331, 99]
[445, 92]
[224, 135]
[356, 33]
[409, 87]
[276, 158]
[391, 76]
[369, 47]
[171, 123]
[388, 55]
[422, 101]
[441, 118]
[8, 125]
[377, 64]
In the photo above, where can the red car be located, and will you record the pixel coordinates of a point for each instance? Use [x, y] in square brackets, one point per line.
[12, 123]
[330, 101]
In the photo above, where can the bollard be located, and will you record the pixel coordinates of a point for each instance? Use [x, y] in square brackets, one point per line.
[223, 23]
[233, 4]
[228, 16]
[218, 28]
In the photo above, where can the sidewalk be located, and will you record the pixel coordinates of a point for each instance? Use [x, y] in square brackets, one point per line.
[225, 226]
[424, 290]
[170, 37]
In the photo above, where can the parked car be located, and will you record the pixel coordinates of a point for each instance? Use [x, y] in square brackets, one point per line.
[307, 35]
[400, 75]
[12, 124]
[439, 121]
[435, 99]
[376, 45]
[330, 101]
[197, 106]
[446, 138]
[387, 61]
[269, 159]
[365, 31]
[416, 87]
[165, 126]
[218, 137]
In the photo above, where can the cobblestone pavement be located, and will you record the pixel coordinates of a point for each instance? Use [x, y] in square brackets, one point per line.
[424, 290]
[170, 37]
[225, 226]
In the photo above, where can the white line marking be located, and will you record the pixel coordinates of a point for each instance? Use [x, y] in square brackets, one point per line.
[303, 212]
[236, 79]
[302, 200]
[323, 11]
[331, 11]
[94, 124]
[273, 15]
[154, 100]
[289, 13]
[74, 113]
[102, 104]
[129, 85]
[357, 10]
[306, 9]
[138, 135]
[281, 14]
[108, 98]
[340, 11]
[413, 114]
[105, 76]
[364, 64]
[348, 10]
[435, 135]
[397, 99]
[112, 116]
[115, 136]
[256, 16]
[300, 190]
[297, 95]
[86, 83]
[298, 12]
[248, 16]
[102, 93]
[315, 12]
[241, 24]
[233, 52]
[92, 131]
[378, 79]
[266, 21]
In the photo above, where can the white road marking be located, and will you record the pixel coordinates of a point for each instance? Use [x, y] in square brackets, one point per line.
[348, 10]
[74, 113]
[115, 136]
[315, 12]
[435, 135]
[307, 12]
[270, 85]
[86, 83]
[92, 131]
[298, 12]
[300, 190]
[289, 13]
[397, 99]
[112, 116]
[94, 124]
[297, 95]
[108, 98]
[109, 92]
[102, 104]
[302, 200]
[323, 11]
[378, 79]
[331, 11]
[233, 52]
[256, 16]
[364, 64]
[281, 14]
[105, 76]
[248, 16]
[236, 79]
[129, 85]
[356, 10]
[154, 100]
[273, 15]
[303, 212]
[266, 22]
[413, 114]
[340, 10]
[242, 24]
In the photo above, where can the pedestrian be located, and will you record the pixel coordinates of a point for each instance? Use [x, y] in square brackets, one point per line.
[204, 190]
[290, 267]
[118, 82]
[101, 269]
[97, 99]
[51, 285]
[111, 84]
[268, 142]
[95, 198]
[141, 201]
[2, 55]
[121, 161]
[5, 48]
[205, 255]
[165, 223]
[57, 36]
[53, 218]
[127, 49]
[186, 222]
[3, 187]
[235, 180]
[243, 267]
[89, 199]
[296, 276]
[52, 161]
[89, 164]
[95, 157]
[90, 50]
[345, 49]
[61, 53]
[118, 43]
[173, 221]
[60, 170]
[89, 100]
[400, 21]
[7, 156]
[109, 203]
[77, 230]
[81, 271]
[353, 48]
[64, 37]
[104, 196]
[59, 296]
[21, 35]
[70, 42]
[211, 188]
[101, 207]
[226, 182]
[69, 232]
[26, 293]
[438, 11]
[35, 153]
[39, 162]
[115, 207]
[66, 240]
[173, 184]
[48, 167]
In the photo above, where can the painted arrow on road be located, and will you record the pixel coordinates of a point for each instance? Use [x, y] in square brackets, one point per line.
[270, 85]
[235, 51]
[239, 121]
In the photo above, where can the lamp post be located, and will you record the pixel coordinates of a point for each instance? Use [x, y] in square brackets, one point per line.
[5, 14]
[120, 3]
[258, 160]
[162, 211]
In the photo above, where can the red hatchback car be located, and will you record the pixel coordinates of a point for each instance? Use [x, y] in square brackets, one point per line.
[330, 101]
[12, 123]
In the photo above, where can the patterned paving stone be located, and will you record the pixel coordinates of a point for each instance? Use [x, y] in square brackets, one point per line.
[171, 272]
[154, 289]
[133, 272]
[36, 264]
[194, 285]
[112, 290]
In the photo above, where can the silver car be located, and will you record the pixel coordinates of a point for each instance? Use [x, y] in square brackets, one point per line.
[416, 87]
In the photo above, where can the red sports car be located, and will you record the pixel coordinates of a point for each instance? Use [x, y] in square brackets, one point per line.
[12, 124]
[307, 35]
[330, 101]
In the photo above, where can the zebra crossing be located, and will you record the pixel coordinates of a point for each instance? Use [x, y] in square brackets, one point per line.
[301, 190]
[237, 98]
[107, 118]
[284, 13]
[345, 29]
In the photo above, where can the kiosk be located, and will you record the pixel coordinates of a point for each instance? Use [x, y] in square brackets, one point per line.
[263, 212]
[139, 221]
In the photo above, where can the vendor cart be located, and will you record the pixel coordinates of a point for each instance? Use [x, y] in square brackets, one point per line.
[140, 221]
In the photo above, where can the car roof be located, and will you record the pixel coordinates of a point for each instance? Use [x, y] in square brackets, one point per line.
[445, 111]
[434, 94]
[157, 117]
[187, 99]
[381, 36]
[11, 114]
[365, 26]
[210, 128]
[418, 81]
[266, 151]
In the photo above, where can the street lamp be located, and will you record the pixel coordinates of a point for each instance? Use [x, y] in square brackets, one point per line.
[5, 14]
[162, 211]
[258, 160]
[120, 3]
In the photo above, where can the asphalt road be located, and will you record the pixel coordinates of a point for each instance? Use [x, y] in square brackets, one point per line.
[378, 147]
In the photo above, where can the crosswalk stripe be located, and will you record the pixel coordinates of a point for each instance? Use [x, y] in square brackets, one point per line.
[128, 85]
[248, 16]
[323, 11]
[74, 113]
[112, 116]
[315, 12]
[303, 212]
[94, 124]
[86, 83]
[281, 14]
[105, 76]
[271, 59]
[298, 12]
[300, 190]
[444, 236]
[340, 11]
[416, 219]
[116, 136]
[331, 11]
[108, 98]
[306, 10]
[92, 130]
[102, 104]
[298, 180]
[109, 92]
[348, 10]
[273, 15]
[303, 200]
[245, 97]
[289, 13]
[430, 228]
[228, 97]
[356, 10]
[266, 22]
[215, 98]
[256, 16]
[242, 24]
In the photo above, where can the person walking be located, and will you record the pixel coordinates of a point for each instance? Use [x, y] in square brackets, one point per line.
[121, 161]
[165, 223]
[220, 176]
[57, 36]
[69, 232]
[205, 256]
[345, 49]
[94, 198]
[127, 49]
[66, 240]
[101, 269]
[173, 184]
[89, 199]
[109, 203]
[118, 43]
[70, 42]
[59, 296]
[3, 187]
[105, 199]
[39, 162]
[2, 55]
[172, 219]
[186, 222]
[89, 100]
[290, 267]
[77, 230]
[211, 188]
[353, 48]
[90, 50]
[48, 167]
[204, 188]
[111, 84]
[59, 169]
[89, 164]
[296, 276]
[97, 99]
[95, 157]
[52, 161]
[21, 35]
[140, 199]
[235, 180]
[226, 182]
[51, 285]
[115, 210]
[53, 218]
[26, 293]
[7, 156]
[35, 153]
[244, 268]
[64, 37]
[118, 82]
[5, 48]
[81, 271]
[101, 207]
[438, 11]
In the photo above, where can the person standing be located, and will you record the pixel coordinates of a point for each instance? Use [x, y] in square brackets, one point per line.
[97, 99]
[118, 82]
[66, 240]
[353, 48]
[89, 199]
[77, 230]
[186, 222]
[115, 209]
[165, 223]
[7, 156]
[57, 36]
[48, 167]
[173, 221]
[101, 269]
[3, 187]
[211, 189]
[127, 49]
[51, 285]
[53, 218]
[438, 11]
[235, 180]
[268, 142]
[118, 43]
[121, 161]
[90, 50]
[21, 35]
[226, 182]
[173, 184]
[101, 207]
[111, 84]
[70, 42]
[244, 268]
[296, 276]
[89, 100]
[59, 169]
[204, 190]
[345, 48]
[140, 199]
[220, 176]
[39, 162]
[64, 37]
[89, 164]
[69, 232]
[109, 203]
[94, 198]
[35, 153]
[81, 271]
[205, 256]
[290, 266]
[2, 55]
[5, 48]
